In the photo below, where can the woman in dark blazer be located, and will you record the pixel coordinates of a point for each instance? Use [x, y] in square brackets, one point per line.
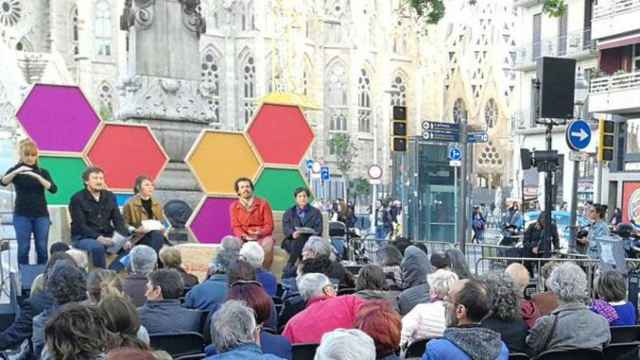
[297, 218]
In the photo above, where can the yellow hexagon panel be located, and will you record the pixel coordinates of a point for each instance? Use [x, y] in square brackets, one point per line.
[218, 158]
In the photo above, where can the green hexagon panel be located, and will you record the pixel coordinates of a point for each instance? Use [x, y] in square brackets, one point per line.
[66, 172]
[277, 186]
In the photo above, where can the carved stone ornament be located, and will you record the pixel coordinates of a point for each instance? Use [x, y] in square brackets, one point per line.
[137, 12]
[192, 16]
[164, 99]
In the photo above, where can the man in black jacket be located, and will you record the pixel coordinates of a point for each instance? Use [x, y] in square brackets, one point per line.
[296, 221]
[95, 217]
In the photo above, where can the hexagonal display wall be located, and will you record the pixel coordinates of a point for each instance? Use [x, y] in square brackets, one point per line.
[58, 118]
[218, 158]
[277, 186]
[211, 221]
[66, 172]
[281, 134]
[125, 151]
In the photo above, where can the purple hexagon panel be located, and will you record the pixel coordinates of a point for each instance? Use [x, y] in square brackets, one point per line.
[211, 222]
[58, 118]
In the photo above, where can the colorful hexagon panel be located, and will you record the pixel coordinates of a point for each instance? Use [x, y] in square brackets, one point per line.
[58, 118]
[277, 186]
[66, 172]
[211, 221]
[125, 151]
[218, 158]
[281, 134]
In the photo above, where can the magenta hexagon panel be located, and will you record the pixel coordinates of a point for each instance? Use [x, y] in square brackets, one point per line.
[58, 118]
[212, 222]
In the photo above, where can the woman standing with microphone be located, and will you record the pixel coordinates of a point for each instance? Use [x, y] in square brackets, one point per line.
[30, 215]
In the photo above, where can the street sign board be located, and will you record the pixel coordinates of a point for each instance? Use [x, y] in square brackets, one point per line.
[455, 154]
[578, 135]
[375, 172]
[315, 167]
[324, 173]
[437, 135]
[309, 164]
[455, 163]
[477, 137]
[578, 156]
[440, 126]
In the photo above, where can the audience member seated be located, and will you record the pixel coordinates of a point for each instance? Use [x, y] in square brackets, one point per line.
[127, 353]
[520, 276]
[318, 255]
[428, 320]
[235, 334]
[464, 339]
[121, 318]
[171, 258]
[370, 284]
[439, 261]
[611, 294]
[101, 283]
[377, 319]
[213, 291]
[401, 243]
[254, 296]
[77, 332]
[38, 282]
[162, 312]
[22, 327]
[505, 317]
[324, 311]
[546, 301]
[458, 263]
[66, 283]
[415, 267]
[80, 258]
[143, 261]
[389, 257]
[350, 344]
[572, 325]
[253, 253]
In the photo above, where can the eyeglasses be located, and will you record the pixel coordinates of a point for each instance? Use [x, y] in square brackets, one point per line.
[246, 282]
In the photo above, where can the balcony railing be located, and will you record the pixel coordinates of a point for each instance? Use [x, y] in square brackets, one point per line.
[614, 7]
[615, 82]
[571, 44]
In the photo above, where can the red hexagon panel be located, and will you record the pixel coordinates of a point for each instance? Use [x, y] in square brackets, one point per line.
[58, 118]
[281, 134]
[125, 151]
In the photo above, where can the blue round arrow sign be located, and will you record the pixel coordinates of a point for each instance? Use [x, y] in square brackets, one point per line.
[455, 153]
[578, 135]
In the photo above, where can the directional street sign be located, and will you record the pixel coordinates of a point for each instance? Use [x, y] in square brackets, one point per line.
[438, 135]
[578, 135]
[455, 163]
[442, 126]
[324, 173]
[309, 164]
[455, 154]
[477, 137]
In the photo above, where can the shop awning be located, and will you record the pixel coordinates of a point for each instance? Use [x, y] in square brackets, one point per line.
[618, 42]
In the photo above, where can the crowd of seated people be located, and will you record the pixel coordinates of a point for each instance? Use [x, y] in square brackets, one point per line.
[242, 311]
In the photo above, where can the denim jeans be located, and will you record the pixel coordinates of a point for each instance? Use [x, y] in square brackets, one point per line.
[39, 227]
[95, 249]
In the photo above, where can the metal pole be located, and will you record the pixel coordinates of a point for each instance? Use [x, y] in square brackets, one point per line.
[548, 199]
[573, 208]
[462, 208]
[455, 199]
[597, 194]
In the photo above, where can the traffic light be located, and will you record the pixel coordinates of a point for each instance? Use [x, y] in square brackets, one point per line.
[399, 132]
[606, 140]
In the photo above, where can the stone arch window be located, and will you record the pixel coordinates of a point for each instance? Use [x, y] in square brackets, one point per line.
[459, 111]
[364, 102]
[399, 90]
[105, 96]
[24, 45]
[491, 113]
[489, 156]
[248, 87]
[75, 33]
[103, 28]
[246, 16]
[11, 11]
[400, 41]
[336, 97]
[210, 74]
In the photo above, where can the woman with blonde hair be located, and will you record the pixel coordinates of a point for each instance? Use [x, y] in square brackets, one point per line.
[30, 215]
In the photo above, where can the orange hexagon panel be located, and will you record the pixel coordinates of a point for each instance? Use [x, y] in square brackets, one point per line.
[218, 158]
[125, 151]
[280, 134]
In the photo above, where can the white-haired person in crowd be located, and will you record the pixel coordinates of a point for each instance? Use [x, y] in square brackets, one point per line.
[318, 256]
[171, 258]
[143, 260]
[324, 310]
[427, 320]
[572, 325]
[235, 334]
[253, 253]
[80, 257]
[213, 291]
[343, 344]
